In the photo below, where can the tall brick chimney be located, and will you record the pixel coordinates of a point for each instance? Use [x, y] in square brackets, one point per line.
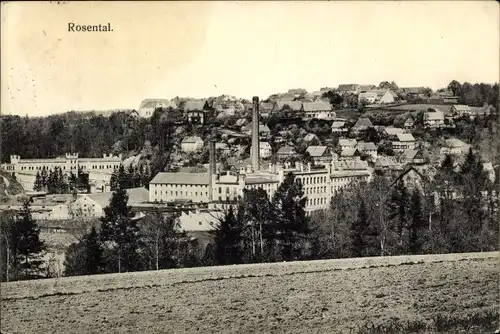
[255, 135]
[212, 166]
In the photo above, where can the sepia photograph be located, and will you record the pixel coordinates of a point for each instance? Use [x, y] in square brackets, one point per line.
[249, 167]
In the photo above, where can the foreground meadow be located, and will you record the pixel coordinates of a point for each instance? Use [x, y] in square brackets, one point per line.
[297, 297]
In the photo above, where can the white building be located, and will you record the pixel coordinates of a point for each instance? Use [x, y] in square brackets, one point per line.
[92, 205]
[319, 183]
[98, 169]
[345, 143]
[265, 150]
[434, 119]
[368, 148]
[405, 141]
[460, 110]
[317, 110]
[148, 106]
[191, 144]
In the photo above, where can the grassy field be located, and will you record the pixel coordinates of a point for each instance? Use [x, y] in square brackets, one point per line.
[406, 293]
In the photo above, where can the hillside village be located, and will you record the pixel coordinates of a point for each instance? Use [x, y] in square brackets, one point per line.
[208, 152]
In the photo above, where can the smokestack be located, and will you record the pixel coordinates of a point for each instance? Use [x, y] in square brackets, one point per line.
[255, 134]
[212, 164]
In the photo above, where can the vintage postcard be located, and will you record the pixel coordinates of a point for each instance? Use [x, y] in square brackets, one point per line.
[249, 167]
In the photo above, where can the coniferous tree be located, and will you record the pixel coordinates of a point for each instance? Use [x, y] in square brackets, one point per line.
[416, 223]
[113, 183]
[120, 229]
[398, 215]
[29, 246]
[292, 224]
[122, 178]
[38, 186]
[73, 182]
[44, 178]
[228, 238]
[358, 230]
[130, 177]
[94, 253]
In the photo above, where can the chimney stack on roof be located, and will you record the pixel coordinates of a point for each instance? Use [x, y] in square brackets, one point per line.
[255, 135]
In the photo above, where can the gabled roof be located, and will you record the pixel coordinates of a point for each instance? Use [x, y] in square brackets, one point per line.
[461, 107]
[338, 125]
[434, 115]
[194, 105]
[348, 87]
[266, 106]
[412, 90]
[347, 142]
[368, 146]
[349, 165]
[454, 143]
[191, 139]
[286, 150]
[316, 106]
[410, 154]
[405, 137]
[310, 136]
[286, 98]
[156, 103]
[294, 105]
[317, 151]
[135, 195]
[181, 178]
[297, 91]
[363, 123]
[365, 88]
[348, 152]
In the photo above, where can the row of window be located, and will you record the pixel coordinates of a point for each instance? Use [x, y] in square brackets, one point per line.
[181, 185]
[316, 201]
[181, 193]
[71, 167]
[313, 180]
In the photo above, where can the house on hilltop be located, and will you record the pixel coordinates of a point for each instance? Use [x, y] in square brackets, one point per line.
[197, 111]
[317, 110]
[346, 89]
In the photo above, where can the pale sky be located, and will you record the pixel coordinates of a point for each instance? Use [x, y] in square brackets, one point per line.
[202, 49]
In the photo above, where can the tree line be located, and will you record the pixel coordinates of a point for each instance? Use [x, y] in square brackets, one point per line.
[455, 211]
[54, 181]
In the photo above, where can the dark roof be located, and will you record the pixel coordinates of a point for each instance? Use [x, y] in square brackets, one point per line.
[294, 105]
